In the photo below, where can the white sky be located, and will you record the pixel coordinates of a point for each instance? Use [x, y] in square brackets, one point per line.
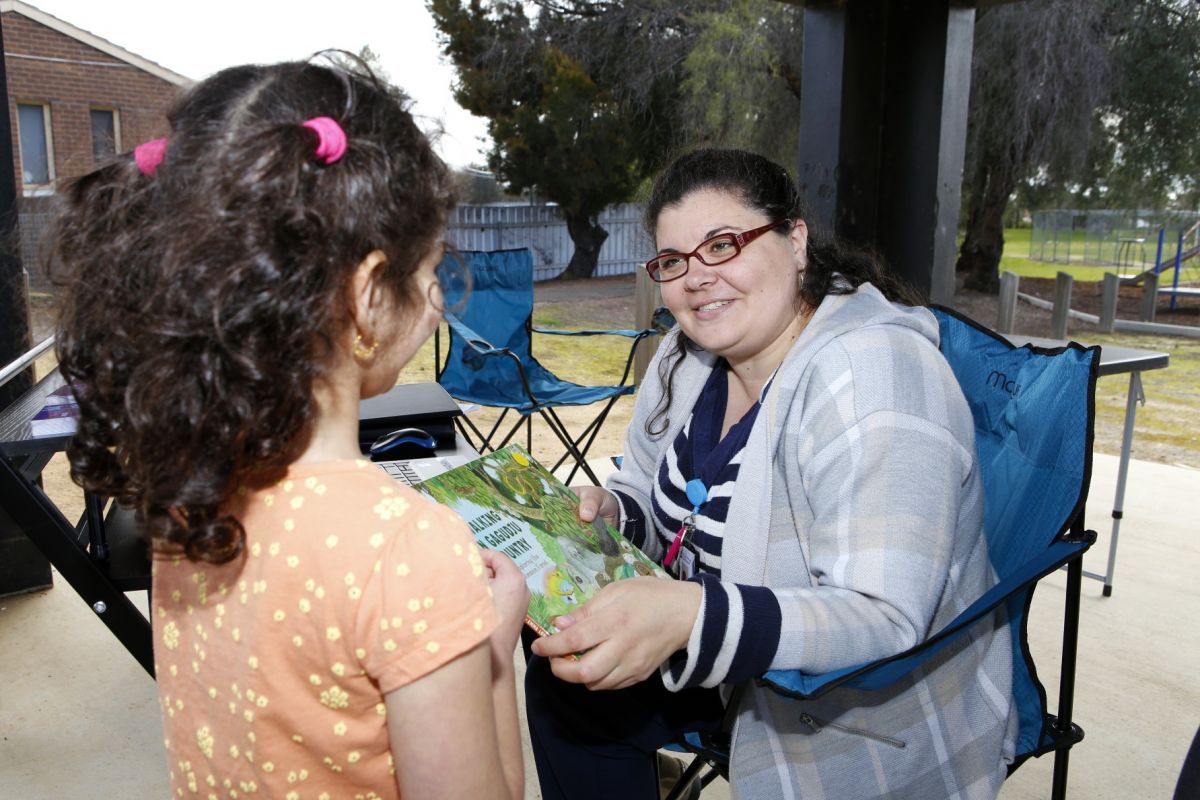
[196, 39]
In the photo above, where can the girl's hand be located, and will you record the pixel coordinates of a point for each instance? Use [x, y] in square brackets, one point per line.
[625, 632]
[512, 600]
[596, 501]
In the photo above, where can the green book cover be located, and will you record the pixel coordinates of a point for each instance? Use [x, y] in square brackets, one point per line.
[515, 505]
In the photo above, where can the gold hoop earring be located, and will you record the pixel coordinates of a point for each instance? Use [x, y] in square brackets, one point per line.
[362, 351]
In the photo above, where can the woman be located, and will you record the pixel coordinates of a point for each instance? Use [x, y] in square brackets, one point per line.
[802, 457]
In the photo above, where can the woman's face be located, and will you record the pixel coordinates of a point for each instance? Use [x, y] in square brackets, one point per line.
[744, 309]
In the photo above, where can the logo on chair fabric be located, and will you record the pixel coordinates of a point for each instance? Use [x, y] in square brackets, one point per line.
[999, 380]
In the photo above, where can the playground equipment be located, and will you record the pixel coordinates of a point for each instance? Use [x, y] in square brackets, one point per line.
[1123, 239]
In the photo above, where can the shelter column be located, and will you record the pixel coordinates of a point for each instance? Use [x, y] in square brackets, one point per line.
[883, 121]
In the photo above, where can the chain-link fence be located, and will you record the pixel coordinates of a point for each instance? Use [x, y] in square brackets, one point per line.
[1127, 239]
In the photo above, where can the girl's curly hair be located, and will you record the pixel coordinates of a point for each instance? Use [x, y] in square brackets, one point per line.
[201, 303]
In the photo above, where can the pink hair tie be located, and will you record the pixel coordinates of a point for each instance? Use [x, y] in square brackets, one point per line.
[149, 155]
[331, 139]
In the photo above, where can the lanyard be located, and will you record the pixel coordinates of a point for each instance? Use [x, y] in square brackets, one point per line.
[697, 495]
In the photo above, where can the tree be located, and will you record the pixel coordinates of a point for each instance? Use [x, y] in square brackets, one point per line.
[575, 112]
[1152, 126]
[1040, 73]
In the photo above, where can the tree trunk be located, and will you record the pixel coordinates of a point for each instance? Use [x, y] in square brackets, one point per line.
[588, 237]
[984, 242]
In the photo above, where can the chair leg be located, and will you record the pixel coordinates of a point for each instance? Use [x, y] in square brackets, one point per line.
[590, 433]
[560, 431]
[683, 786]
[1066, 680]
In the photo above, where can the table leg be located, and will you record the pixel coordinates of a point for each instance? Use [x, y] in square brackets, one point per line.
[1135, 396]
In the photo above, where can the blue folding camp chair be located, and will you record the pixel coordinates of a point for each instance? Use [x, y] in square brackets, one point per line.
[489, 361]
[1033, 411]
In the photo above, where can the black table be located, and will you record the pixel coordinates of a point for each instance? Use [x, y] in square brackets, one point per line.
[1115, 360]
[101, 561]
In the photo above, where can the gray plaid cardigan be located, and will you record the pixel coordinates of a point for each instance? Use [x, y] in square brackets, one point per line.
[859, 504]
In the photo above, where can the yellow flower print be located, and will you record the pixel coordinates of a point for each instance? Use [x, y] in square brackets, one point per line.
[297, 501]
[268, 766]
[420, 627]
[402, 570]
[256, 549]
[391, 507]
[332, 634]
[170, 635]
[414, 604]
[397, 622]
[319, 490]
[204, 739]
[389, 645]
[331, 541]
[290, 524]
[349, 579]
[478, 624]
[287, 486]
[298, 640]
[314, 679]
[353, 757]
[233, 751]
[305, 605]
[310, 584]
[310, 482]
[268, 500]
[427, 602]
[458, 549]
[422, 524]
[279, 616]
[340, 729]
[273, 549]
[433, 647]
[354, 593]
[381, 709]
[376, 540]
[293, 561]
[335, 698]
[252, 662]
[338, 669]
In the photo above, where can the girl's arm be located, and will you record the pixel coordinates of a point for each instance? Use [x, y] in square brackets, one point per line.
[454, 732]
[444, 732]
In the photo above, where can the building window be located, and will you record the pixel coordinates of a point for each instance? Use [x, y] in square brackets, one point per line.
[37, 156]
[105, 134]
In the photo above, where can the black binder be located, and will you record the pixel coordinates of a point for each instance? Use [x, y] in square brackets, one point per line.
[426, 406]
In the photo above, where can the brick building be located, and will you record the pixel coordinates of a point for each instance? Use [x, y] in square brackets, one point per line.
[73, 100]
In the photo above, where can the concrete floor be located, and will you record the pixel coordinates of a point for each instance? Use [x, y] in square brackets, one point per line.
[79, 719]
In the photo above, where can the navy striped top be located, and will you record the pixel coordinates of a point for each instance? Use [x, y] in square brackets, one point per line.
[740, 624]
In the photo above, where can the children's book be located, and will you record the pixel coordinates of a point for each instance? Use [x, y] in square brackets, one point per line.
[513, 504]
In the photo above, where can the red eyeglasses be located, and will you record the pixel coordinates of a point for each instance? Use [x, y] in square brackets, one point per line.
[717, 250]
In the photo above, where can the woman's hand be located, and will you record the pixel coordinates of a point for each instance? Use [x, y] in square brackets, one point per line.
[512, 601]
[625, 632]
[596, 501]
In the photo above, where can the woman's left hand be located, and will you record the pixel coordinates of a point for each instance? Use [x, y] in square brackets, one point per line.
[625, 632]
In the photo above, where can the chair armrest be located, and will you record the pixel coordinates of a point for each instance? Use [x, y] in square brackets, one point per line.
[471, 338]
[631, 334]
[884, 672]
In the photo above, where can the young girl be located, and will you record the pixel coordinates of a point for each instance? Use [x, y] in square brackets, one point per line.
[231, 293]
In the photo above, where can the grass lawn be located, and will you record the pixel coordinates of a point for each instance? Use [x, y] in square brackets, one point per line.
[1016, 259]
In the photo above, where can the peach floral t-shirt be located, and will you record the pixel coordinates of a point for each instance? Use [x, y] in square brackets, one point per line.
[272, 670]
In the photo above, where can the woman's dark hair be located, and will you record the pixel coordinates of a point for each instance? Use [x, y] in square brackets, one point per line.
[832, 267]
[203, 302]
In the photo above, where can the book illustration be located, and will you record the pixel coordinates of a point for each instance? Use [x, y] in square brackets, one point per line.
[58, 415]
[513, 504]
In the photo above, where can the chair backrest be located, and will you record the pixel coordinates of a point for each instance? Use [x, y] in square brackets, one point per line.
[1033, 411]
[498, 307]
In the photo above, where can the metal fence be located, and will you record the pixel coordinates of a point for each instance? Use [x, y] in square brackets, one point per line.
[494, 227]
[544, 232]
[1122, 238]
